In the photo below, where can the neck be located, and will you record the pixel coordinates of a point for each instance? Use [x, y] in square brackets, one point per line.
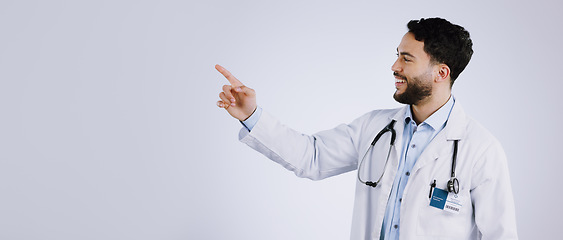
[424, 109]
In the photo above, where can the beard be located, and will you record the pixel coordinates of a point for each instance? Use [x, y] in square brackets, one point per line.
[417, 89]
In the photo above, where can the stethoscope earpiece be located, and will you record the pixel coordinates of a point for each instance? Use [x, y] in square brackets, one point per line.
[371, 184]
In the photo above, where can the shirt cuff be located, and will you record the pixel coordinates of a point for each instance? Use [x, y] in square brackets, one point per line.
[251, 121]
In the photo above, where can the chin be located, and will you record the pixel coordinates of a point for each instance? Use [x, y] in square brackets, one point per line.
[397, 94]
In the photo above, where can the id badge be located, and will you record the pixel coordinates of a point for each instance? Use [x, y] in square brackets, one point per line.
[446, 201]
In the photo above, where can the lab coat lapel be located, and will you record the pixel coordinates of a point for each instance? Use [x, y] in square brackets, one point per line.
[443, 142]
[436, 148]
[399, 117]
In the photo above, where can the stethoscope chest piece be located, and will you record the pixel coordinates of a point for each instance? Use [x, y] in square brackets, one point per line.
[453, 185]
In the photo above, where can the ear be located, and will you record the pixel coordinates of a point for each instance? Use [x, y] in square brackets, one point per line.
[443, 73]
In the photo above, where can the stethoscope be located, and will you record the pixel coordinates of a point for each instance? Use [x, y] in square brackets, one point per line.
[453, 183]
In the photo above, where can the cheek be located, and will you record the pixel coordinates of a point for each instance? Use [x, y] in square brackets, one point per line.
[413, 72]
[410, 76]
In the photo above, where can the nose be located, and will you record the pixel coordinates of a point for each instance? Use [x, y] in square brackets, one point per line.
[396, 67]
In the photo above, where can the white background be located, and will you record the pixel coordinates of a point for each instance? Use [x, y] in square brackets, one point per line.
[109, 129]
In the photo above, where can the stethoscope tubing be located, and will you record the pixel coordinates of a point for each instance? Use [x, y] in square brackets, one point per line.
[388, 128]
[453, 183]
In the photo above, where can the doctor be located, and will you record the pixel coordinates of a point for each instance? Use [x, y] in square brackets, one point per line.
[433, 173]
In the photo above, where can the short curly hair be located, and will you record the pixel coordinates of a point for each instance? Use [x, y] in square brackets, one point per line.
[445, 42]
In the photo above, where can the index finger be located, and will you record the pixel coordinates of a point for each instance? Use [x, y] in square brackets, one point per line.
[232, 79]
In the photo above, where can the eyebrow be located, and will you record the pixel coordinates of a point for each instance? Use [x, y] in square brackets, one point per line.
[405, 53]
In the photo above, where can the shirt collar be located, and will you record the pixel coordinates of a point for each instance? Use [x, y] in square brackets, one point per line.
[438, 119]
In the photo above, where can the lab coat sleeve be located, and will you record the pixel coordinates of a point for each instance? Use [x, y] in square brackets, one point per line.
[491, 195]
[316, 156]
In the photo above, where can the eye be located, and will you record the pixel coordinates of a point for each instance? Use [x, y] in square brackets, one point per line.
[404, 58]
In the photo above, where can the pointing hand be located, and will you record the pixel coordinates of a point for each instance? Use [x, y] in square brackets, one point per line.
[237, 99]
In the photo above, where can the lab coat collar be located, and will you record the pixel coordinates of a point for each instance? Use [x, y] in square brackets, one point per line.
[457, 123]
[399, 116]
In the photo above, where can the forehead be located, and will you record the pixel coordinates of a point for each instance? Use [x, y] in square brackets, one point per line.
[413, 47]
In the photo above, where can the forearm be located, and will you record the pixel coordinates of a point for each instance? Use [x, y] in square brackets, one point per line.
[315, 157]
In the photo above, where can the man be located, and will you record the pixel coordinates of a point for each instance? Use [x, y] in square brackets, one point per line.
[430, 173]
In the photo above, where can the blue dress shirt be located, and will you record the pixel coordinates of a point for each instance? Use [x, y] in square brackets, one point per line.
[415, 140]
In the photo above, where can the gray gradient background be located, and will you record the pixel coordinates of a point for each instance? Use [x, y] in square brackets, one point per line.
[109, 129]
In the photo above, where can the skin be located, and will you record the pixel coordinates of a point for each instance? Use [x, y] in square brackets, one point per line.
[237, 99]
[412, 64]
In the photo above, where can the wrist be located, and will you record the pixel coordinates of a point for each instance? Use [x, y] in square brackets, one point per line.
[252, 120]
[247, 117]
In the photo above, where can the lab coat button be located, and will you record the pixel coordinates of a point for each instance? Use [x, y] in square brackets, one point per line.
[396, 226]
[408, 173]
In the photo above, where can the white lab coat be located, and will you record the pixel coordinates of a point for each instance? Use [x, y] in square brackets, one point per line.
[485, 190]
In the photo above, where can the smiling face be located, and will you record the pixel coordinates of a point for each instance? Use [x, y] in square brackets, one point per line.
[414, 73]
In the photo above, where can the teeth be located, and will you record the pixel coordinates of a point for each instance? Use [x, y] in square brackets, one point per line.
[400, 81]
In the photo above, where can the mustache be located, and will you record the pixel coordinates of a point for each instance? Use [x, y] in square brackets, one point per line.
[399, 75]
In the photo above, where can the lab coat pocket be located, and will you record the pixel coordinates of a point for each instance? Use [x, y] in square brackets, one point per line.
[438, 223]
